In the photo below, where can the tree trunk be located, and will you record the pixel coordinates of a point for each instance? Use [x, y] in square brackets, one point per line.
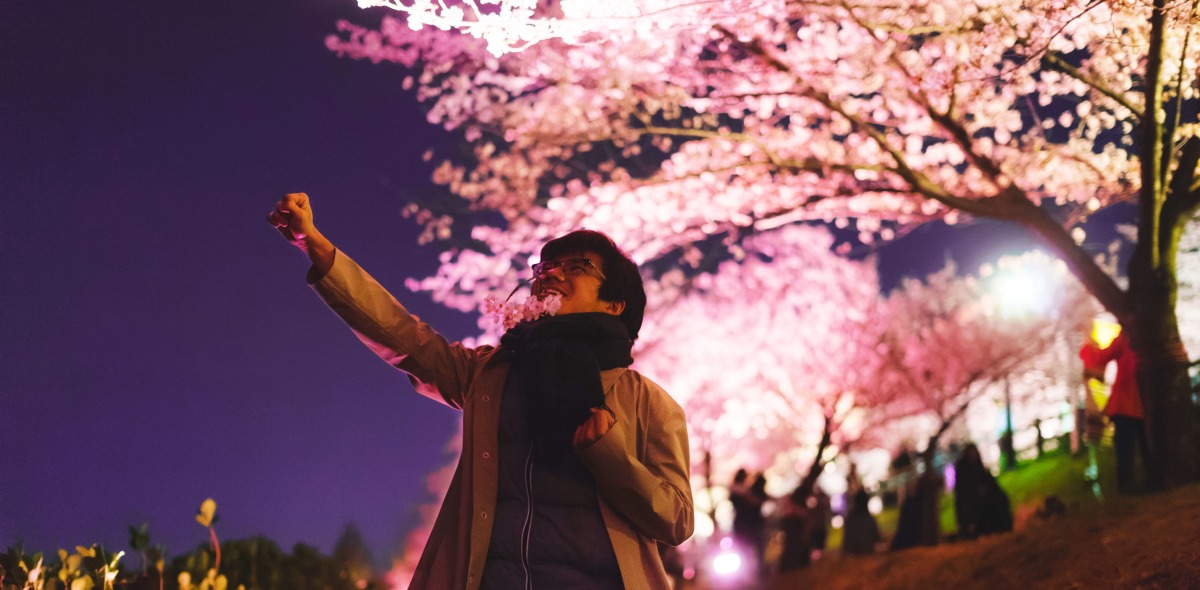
[1162, 361]
[1163, 382]
[708, 486]
[805, 489]
[929, 493]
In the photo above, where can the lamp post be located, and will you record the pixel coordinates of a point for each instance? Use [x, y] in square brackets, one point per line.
[1007, 451]
[1026, 289]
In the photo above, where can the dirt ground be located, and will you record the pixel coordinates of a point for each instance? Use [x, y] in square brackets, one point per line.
[1145, 541]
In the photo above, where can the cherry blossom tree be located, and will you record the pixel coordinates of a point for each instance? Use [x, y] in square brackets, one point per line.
[761, 352]
[876, 115]
[949, 340]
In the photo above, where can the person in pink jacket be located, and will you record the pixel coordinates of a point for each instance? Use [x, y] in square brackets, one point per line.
[1124, 407]
[573, 467]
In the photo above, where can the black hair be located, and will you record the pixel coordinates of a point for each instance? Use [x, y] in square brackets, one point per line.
[622, 280]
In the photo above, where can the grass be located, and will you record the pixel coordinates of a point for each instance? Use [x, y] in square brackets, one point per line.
[1060, 475]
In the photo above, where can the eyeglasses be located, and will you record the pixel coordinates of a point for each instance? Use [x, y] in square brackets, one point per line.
[569, 266]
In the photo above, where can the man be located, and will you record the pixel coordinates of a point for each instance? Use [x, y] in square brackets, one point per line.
[573, 466]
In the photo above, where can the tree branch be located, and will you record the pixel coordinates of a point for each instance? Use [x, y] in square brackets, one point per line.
[1183, 199]
[983, 206]
[1011, 204]
[1057, 63]
[1151, 156]
[1078, 261]
[814, 471]
[957, 131]
[1183, 53]
[962, 408]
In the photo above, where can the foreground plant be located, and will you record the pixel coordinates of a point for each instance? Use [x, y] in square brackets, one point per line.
[207, 517]
[256, 563]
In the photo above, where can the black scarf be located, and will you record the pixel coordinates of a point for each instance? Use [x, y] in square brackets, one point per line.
[556, 361]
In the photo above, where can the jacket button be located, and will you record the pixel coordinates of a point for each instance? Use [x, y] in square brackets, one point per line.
[483, 515]
[487, 455]
[487, 398]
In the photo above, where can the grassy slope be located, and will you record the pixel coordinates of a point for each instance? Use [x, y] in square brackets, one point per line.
[1150, 541]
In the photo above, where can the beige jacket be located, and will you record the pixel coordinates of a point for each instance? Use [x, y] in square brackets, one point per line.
[640, 466]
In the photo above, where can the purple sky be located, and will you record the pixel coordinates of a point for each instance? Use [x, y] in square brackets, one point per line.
[157, 342]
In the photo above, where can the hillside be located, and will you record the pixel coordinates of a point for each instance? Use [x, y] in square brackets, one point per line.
[1146, 541]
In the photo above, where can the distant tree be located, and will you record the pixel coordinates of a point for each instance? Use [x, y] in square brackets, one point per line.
[259, 564]
[352, 557]
[944, 344]
[761, 352]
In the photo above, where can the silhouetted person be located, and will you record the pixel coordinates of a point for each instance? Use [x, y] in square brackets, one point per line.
[900, 472]
[980, 504]
[929, 492]
[919, 521]
[908, 525]
[748, 522]
[860, 532]
[757, 524]
[969, 478]
[995, 511]
[822, 515]
[797, 533]
[853, 483]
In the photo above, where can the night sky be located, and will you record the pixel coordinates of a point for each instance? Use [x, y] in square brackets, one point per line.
[158, 344]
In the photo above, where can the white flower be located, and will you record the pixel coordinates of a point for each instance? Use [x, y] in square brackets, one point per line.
[510, 314]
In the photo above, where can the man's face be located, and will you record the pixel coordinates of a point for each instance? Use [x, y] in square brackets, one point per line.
[578, 282]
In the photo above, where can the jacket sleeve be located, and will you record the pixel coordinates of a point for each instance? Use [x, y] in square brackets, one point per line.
[653, 494]
[438, 369]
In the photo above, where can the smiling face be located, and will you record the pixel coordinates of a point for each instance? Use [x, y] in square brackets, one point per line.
[580, 292]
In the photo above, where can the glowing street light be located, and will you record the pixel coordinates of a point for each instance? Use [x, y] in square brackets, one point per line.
[1027, 286]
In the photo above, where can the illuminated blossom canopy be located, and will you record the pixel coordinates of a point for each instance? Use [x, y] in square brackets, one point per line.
[761, 352]
[692, 143]
[514, 25]
[870, 115]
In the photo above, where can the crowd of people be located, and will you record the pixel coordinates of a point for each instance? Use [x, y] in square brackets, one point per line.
[802, 519]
